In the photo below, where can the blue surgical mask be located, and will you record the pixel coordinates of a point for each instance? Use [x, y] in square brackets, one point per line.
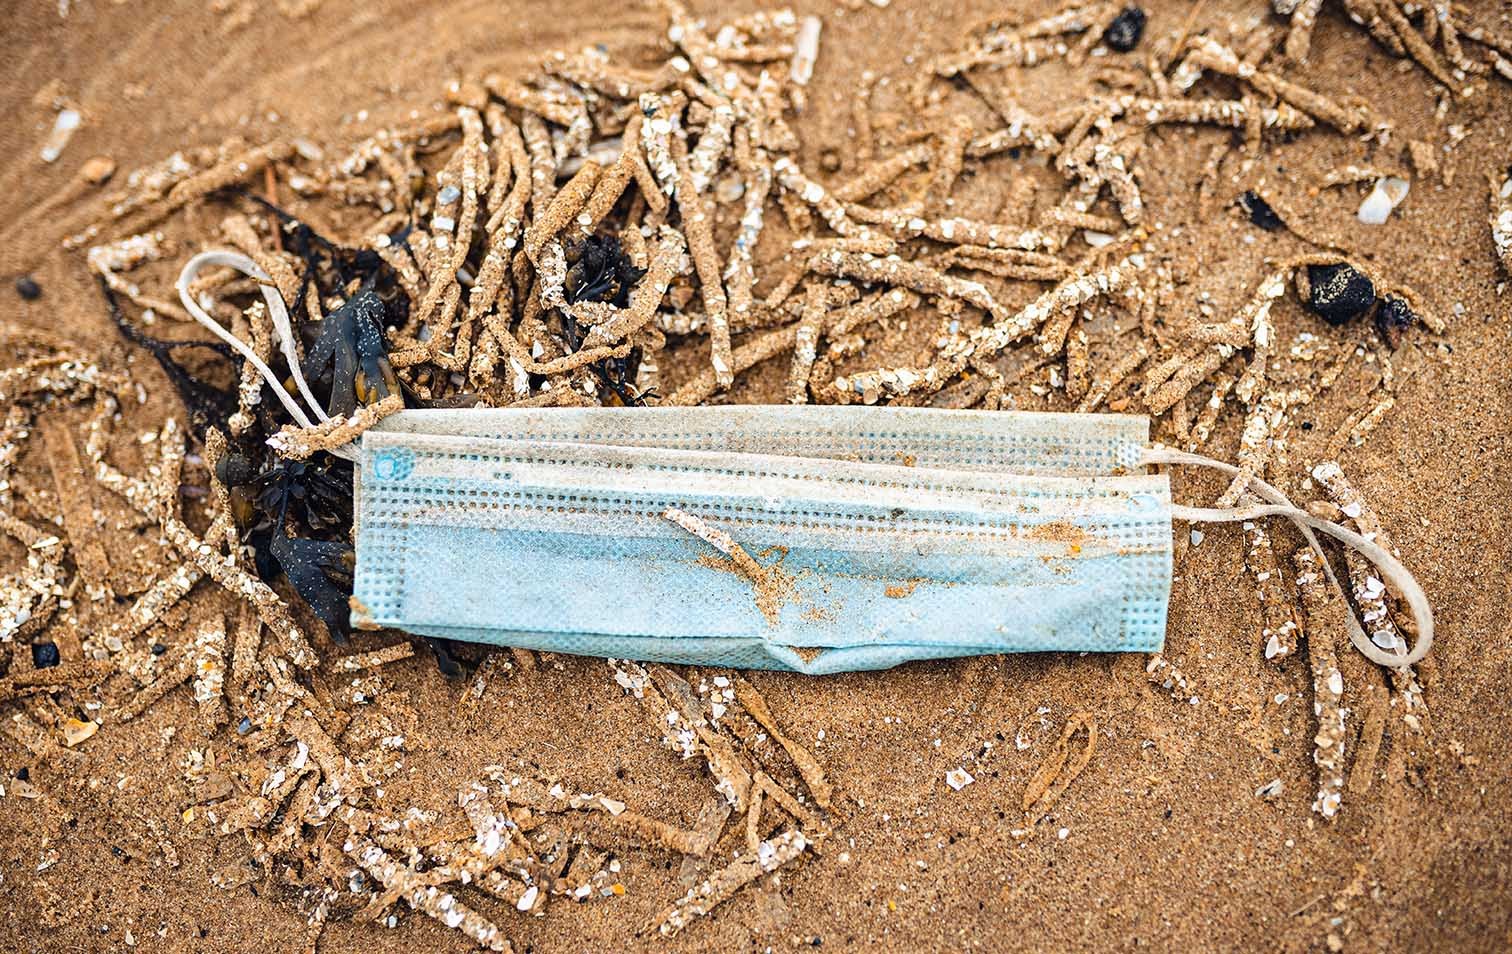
[877, 535]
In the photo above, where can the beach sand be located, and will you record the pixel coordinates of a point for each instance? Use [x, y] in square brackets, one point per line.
[1161, 841]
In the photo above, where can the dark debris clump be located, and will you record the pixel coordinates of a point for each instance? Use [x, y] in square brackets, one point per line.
[1393, 318]
[297, 515]
[1339, 293]
[599, 270]
[1124, 32]
[1260, 212]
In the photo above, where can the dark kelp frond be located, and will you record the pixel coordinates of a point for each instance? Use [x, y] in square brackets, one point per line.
[321, 572]
[207, 404]
[350, 347]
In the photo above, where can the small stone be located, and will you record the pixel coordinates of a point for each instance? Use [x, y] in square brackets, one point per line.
[244, 726]
[1394, 317]
[45, 655]
[1260, 212]
[729, 188]
[1339, 293]
[1124, 32]
[27, 288]
[448, 195]
[97, 170]
[958, 778]
[158, 649]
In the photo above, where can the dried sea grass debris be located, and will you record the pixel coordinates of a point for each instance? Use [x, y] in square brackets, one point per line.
[416, 891]
[1325, 613]
[1059, 769]
[808, 766]
[721, 886]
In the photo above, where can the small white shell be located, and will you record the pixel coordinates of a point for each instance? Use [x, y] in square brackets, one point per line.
[1389, 192]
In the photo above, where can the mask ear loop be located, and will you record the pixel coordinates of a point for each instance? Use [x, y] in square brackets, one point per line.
[1400, 578]
[278, 313]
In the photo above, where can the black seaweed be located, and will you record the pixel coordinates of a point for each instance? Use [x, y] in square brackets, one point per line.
[321, 572]
[314, 498]
[599, 270]
[206, 403]
[445, 661]
[350, 346]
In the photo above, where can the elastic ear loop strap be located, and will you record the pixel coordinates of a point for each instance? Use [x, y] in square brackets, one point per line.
[278, 313]
[1400, 578]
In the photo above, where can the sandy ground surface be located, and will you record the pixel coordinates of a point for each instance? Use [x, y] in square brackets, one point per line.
[1160, 842]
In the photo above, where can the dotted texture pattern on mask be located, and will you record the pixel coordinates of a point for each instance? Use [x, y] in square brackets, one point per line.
[1019, 442]
[564, 548]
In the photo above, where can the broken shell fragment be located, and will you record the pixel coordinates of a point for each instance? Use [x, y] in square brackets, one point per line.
[1389, 192]
[76, 731]
[97, 169]
[958, 778]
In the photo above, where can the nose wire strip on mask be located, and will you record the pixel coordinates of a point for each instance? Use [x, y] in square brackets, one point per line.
[1279, 506]
[278, 314]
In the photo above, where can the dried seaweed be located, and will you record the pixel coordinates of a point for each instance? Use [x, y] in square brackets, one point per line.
[350, 345]
[208, 405]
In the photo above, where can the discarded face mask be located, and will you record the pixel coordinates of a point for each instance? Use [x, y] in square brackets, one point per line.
[815, 539]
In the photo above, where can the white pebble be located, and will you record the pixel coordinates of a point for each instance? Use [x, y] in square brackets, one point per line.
[63, 129]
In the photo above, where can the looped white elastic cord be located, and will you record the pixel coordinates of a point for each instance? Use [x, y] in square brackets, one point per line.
[278, 313]
[1400, 578]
